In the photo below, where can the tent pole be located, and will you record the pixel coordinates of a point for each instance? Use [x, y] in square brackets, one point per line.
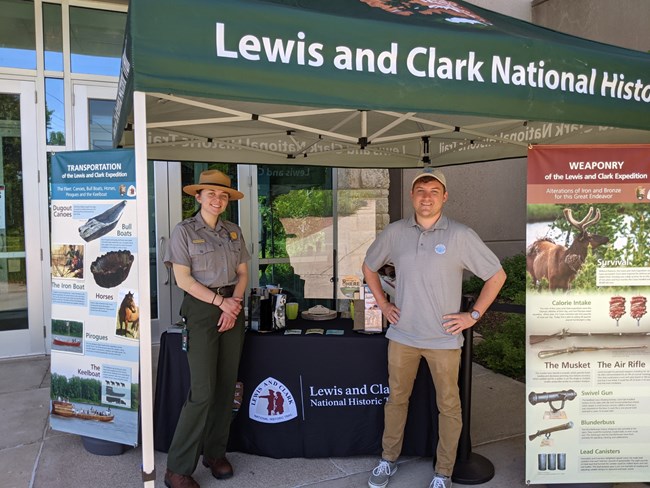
[142, 219]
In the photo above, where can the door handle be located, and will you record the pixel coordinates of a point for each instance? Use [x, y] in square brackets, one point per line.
[161, 255]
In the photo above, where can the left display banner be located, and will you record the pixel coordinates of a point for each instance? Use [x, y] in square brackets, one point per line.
[95, 328]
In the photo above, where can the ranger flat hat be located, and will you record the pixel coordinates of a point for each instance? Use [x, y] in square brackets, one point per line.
[433, 173]
[214, 179]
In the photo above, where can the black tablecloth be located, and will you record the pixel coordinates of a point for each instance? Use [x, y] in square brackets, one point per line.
[333, 389]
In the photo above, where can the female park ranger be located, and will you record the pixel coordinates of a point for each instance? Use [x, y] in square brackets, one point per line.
[209, 259]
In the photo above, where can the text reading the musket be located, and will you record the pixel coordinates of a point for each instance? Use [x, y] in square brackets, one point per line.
[568, 365]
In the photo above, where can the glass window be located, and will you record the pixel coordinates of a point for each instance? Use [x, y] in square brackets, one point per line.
[297, 232]
[96, 38]
[153, 270]
[54, 112]
[17, 34]
[100, 117]
[13, 273]
[52, 36]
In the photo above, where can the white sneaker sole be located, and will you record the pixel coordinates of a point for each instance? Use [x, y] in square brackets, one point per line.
[372, 485]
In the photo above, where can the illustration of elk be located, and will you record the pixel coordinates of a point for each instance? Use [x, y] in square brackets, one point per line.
[558, 264]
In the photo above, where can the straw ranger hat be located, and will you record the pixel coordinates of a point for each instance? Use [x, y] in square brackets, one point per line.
[215, 180]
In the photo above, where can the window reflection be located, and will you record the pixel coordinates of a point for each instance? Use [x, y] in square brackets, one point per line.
[96, 41]
[54, 112]
[100, 117]
[297, 231]
[17, 35]
[52, 37]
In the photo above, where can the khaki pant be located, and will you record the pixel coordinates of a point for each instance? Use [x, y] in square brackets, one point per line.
[444, 364]
[213, 357]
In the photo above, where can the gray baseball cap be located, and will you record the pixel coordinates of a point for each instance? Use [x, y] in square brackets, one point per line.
[434, 173]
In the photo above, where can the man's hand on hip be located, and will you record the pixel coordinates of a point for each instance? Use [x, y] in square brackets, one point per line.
[455, 323]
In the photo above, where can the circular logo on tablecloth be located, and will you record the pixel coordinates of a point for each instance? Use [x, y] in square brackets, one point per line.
[272, 403]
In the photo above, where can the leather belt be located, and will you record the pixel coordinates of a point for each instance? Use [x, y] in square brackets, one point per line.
[224, 291]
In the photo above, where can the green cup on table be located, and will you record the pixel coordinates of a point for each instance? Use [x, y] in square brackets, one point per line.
[292, 310]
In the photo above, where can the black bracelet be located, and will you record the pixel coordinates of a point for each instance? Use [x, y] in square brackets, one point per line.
[222, 300]
[212, 302]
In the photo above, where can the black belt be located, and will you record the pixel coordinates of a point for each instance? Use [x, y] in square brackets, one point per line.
[224, 291]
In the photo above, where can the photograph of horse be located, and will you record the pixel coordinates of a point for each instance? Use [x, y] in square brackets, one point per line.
[128, 317]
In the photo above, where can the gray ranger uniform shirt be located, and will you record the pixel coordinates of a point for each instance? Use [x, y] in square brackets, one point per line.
[212, 255]
[429, 267]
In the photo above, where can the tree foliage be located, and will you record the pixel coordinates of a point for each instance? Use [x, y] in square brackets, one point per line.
[69, 328]
[76, 389]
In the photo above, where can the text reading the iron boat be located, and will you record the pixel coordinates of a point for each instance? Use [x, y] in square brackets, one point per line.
[428, 62]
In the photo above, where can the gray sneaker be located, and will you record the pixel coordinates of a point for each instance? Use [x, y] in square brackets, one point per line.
[440, 481]
[381, 474]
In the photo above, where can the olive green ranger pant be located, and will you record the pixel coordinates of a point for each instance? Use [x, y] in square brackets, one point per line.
[213, 357]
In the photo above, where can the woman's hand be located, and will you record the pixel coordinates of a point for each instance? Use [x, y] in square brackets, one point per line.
[231, 307]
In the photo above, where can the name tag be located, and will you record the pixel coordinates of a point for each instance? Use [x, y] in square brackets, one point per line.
[198, 241]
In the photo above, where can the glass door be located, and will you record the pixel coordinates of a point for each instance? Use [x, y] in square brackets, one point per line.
[22, 284]
[294, 228]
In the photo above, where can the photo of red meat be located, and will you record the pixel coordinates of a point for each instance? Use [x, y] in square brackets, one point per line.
[616, 308]
[638, 308]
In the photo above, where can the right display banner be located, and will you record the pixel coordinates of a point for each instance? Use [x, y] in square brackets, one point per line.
[587, 326]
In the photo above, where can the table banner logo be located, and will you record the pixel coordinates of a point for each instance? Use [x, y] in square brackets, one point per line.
[272, 403]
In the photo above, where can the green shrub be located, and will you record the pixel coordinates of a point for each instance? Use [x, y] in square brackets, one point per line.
[503, 348]
[514, 289]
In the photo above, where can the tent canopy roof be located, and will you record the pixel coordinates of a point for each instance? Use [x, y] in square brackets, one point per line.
[368, 83]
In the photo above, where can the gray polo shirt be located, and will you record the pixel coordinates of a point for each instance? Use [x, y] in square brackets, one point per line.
[429, 267]
[212, 255]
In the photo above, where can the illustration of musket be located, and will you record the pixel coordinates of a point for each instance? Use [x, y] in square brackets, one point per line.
[547, 432]
[554, 396]
[535, 339]
[570, 350]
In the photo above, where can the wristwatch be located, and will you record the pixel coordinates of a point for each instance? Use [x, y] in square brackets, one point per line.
[475, 314]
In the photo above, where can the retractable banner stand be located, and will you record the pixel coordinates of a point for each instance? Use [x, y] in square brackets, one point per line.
[588, 331]
[95, 301]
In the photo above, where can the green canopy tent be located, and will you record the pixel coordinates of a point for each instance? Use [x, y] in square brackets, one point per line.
[358, 83]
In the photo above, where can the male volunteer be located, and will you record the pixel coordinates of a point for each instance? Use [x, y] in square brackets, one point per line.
[429, 252]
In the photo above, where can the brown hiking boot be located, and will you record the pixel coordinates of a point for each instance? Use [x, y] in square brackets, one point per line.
[220, 468]
[174, 480]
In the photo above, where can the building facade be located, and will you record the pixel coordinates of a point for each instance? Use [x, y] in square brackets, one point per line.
[307, 227]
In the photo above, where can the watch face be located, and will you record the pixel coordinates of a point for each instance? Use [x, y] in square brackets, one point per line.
[475, 314]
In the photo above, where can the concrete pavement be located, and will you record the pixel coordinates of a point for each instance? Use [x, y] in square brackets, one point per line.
[33, 455]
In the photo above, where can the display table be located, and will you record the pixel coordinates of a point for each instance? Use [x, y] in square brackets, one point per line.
[328, 395]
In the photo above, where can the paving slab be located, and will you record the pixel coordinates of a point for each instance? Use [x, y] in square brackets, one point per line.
[24, 417]
[17, 464]
[24, 373]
